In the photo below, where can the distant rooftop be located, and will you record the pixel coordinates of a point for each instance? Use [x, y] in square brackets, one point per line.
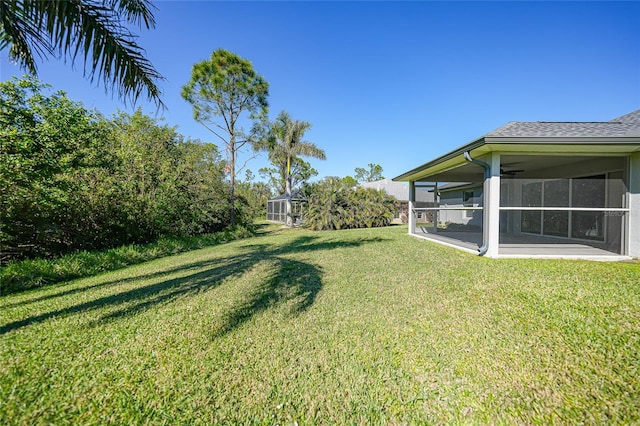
[396, 189]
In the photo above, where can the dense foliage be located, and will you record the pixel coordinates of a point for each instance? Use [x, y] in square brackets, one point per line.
[253, 197]
[71, 179]
[335, 205]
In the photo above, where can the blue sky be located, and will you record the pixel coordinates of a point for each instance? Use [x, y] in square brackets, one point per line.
[394, 83]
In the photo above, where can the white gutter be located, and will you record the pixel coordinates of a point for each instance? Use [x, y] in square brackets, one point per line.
[487, 174]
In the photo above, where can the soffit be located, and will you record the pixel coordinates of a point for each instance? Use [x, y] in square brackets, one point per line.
[447, 165]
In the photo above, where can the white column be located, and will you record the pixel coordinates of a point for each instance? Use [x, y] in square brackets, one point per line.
[491, 211]
[436, 203]
[634, 205]
[412, 199]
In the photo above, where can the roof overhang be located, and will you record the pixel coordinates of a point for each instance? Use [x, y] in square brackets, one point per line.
[294, 197]
[522, 146]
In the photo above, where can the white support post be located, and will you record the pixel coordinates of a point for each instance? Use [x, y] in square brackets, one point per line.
[491, 210]
[436, 203]
[634, 205]
[412, 199]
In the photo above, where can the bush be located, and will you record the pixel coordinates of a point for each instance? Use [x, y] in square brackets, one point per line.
[332, 205]
[73, 180]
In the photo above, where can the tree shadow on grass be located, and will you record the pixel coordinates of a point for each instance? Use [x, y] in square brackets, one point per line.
[143, 297]
[64, 291]
[290, 281]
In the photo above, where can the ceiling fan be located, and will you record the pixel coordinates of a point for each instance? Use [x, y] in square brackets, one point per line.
[511, 173]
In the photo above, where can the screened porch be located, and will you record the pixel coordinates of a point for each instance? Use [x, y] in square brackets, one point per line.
[541, 205]
[277, 209]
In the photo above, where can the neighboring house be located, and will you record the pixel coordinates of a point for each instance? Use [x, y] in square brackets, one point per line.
[400, 192]
[277, 208]
[460, 194]
[548, 189]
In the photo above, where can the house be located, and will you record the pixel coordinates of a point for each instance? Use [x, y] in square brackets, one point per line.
[400, 191]
[536, 189]
[460, 194]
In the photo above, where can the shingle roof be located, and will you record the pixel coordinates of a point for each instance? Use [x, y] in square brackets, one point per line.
[631, 118]
[603, 133]
[626, 125]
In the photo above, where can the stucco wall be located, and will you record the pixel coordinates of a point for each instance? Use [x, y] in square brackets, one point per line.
[454, 199]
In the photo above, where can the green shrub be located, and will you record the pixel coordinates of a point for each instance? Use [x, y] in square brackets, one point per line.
[72, 179]
[332, 205]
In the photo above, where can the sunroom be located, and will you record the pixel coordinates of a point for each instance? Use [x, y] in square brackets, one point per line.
[569, 190]
[277, 209]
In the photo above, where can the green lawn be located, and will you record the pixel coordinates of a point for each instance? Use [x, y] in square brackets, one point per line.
[346, 327]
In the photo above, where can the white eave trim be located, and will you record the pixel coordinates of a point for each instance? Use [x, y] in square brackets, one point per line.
[529, 145]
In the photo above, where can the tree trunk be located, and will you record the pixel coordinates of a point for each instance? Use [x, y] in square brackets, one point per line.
[232, 180]
[289, 196]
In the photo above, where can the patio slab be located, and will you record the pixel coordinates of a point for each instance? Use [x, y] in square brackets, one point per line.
[522, 247]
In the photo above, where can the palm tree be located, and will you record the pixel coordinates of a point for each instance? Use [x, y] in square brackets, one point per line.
[94, 28]
[285, 145]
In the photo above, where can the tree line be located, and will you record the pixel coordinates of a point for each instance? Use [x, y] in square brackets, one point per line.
[73, 179]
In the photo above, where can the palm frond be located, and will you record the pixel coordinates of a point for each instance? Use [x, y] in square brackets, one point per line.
[136, 11]
[22, 37]
[308, 149]
[93, 27]
[285, 145]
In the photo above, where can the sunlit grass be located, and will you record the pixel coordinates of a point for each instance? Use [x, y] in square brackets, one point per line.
[345, 327]
[23, 275]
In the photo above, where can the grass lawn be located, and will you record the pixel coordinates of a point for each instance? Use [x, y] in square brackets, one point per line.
[346, 327]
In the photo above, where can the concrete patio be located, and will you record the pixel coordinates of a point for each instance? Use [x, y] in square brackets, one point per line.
[523, 246]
